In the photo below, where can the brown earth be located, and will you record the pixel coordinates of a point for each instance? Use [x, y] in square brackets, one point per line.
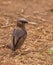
[34, 50]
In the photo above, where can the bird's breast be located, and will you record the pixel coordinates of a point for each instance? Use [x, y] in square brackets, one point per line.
[19, 33]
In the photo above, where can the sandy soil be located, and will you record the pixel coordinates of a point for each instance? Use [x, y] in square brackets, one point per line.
[34, 50]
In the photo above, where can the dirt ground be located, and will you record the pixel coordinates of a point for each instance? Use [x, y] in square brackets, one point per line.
[36, 48]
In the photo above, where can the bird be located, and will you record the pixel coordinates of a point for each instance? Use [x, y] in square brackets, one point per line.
[19, 34]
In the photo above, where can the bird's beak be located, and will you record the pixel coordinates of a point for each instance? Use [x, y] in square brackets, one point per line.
[32, 23]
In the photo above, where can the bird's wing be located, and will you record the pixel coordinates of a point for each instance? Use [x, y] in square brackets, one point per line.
[18, 37]
[20, 40]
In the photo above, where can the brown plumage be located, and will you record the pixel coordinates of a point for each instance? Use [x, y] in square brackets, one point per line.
[19, 35]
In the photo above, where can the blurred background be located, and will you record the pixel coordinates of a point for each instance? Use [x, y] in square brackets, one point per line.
[38, 46]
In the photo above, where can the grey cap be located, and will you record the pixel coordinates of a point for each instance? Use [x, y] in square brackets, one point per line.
[22, 20]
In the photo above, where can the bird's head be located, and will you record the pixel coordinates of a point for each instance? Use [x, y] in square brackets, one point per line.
[23, 21]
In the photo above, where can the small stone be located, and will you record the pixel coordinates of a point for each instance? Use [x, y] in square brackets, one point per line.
[22, 10]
